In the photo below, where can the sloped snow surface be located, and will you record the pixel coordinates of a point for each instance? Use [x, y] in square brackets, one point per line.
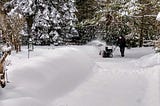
[79, 76]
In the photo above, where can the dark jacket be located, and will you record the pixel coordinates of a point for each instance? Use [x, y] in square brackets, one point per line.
[121, 42]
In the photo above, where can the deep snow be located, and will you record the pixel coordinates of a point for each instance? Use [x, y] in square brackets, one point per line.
[79, 76]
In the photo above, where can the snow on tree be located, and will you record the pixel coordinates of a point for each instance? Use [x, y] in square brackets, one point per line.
[46, 20]
[10, 27]
[69, 19]
[46, 17]
[143, 12]
[137, 15]
[158, 17]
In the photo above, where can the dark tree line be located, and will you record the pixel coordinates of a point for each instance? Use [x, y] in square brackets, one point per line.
[134, 19]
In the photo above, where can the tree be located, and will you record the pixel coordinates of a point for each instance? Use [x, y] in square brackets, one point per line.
[18, 21]
[86, 9]
[69, 19]
[11, 27]
[135, 16]
[47, 17]
[143, 13]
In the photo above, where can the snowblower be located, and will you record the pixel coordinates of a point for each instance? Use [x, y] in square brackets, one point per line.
[107, 53]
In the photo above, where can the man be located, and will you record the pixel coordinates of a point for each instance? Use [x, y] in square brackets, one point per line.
[122, 44]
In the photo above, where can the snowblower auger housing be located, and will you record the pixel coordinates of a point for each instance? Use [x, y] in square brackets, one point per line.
[107, 53]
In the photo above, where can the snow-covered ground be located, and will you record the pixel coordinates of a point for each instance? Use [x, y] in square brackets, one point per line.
[79, 76]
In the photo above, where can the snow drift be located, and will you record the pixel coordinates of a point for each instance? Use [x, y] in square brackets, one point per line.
[38, 76]
[150, 60]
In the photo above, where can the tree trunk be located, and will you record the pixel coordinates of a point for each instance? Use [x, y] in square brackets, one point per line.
[141, 33]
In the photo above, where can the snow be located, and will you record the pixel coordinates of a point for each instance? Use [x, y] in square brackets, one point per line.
[79, 76]
[56, 15]
[6, 48]
[158, 17]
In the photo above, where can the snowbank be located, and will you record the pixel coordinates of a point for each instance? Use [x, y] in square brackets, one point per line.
[60, 71]
[149, 60]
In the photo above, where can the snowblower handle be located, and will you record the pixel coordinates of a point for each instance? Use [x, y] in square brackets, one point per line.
[114, 49]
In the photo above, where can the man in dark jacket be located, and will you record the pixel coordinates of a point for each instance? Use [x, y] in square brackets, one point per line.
[122, 44]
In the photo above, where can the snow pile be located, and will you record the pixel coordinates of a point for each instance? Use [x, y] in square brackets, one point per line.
[149, 60]
[6, 48]
[60, 71]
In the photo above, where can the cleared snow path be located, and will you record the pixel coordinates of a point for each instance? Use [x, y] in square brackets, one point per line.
[118, 82]
[78, 76]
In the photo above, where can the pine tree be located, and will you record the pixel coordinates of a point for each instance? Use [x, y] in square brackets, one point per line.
[46, 21]
[142, 13]
[69, 19]
[45, 18]
[86, 9]
[133, 18]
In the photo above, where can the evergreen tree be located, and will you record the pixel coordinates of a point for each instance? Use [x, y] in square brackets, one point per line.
[45, 18]
[133, 18]
[86, 9]
[46, 21]
[69, 18]
[143, 13]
